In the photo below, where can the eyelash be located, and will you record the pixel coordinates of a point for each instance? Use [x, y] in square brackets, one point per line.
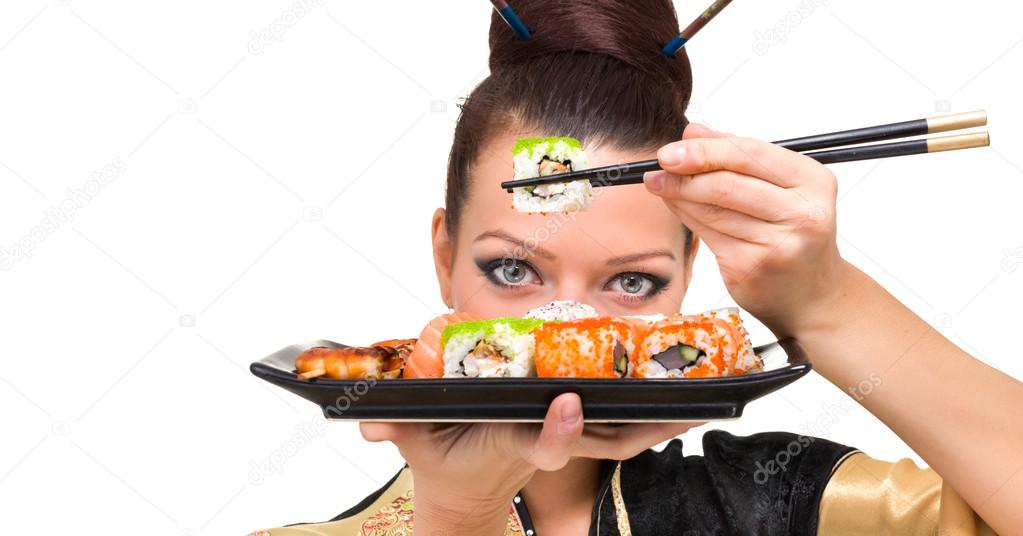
[659, 284]
[488, 268]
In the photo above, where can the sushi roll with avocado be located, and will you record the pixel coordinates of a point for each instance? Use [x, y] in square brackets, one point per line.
[540, 157]
[501, 347]
[708, 345]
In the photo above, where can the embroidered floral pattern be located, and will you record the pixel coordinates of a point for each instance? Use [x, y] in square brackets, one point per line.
[395, 519]
[514, 527]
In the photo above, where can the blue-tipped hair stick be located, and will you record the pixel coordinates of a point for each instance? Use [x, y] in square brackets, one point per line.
[509, 16]
[685, 35]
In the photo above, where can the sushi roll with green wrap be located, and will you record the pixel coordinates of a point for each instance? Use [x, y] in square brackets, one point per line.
[501, 347]
[540, 157]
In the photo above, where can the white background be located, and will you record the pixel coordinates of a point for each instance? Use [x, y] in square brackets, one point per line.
[276, 194]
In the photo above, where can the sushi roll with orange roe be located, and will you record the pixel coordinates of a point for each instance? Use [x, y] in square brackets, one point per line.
[601, 347]
[708, 345]
[745, 359]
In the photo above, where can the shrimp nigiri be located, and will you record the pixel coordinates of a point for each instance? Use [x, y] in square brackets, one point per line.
[349, 363]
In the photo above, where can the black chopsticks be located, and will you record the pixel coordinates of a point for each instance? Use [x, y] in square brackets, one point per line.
[632, 172]
[904, 129]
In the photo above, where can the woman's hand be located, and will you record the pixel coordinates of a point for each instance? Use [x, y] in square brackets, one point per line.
[767, 213]
[465, 475]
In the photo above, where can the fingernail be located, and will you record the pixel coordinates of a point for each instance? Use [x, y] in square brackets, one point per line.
[654, 180]
[569, 416]
[671, 155]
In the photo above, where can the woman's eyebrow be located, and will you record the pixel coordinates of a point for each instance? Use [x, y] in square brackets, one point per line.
[625, 259]
[527, 249]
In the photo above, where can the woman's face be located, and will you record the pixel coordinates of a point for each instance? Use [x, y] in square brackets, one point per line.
[623, 255]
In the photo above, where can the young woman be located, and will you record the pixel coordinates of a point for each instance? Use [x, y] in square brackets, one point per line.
[592, 70]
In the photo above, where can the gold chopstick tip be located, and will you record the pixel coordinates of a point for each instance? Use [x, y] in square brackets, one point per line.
[958, 141]
[944, 123]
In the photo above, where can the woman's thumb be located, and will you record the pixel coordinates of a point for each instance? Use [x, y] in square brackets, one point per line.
[562, 428]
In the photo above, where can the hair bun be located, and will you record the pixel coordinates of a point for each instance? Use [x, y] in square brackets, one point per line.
[631, 31]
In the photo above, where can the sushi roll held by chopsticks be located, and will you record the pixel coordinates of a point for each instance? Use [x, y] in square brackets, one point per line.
[540, 157]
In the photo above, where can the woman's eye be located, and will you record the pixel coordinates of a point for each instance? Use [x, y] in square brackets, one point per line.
[635, 285]
[513, 272]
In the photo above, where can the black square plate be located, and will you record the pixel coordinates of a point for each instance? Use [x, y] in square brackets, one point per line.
[526, 399]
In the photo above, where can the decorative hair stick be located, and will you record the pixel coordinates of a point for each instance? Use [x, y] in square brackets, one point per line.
[509, 16]
[685, 35]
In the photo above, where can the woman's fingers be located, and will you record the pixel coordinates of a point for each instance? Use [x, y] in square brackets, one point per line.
[378, 431]
[623, 442]
[719, 242]
[395, 432]
[698, 130]
[562, 427]
[742, 193]
[743, 155]
[731, 223]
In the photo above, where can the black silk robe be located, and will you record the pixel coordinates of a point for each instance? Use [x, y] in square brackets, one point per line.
[773, 483]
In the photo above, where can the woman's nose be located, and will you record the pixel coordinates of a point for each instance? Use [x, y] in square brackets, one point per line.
[576, 291]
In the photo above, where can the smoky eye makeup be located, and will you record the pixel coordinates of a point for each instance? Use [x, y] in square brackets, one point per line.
[507, 272]
[636, 286]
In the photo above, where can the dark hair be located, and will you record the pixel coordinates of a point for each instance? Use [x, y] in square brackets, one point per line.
[592, 70]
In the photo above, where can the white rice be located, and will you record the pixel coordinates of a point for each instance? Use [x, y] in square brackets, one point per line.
[574, 197]
[649, 319]
[458, 363]
[746, 359]
[653, 369]
[563, 310]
